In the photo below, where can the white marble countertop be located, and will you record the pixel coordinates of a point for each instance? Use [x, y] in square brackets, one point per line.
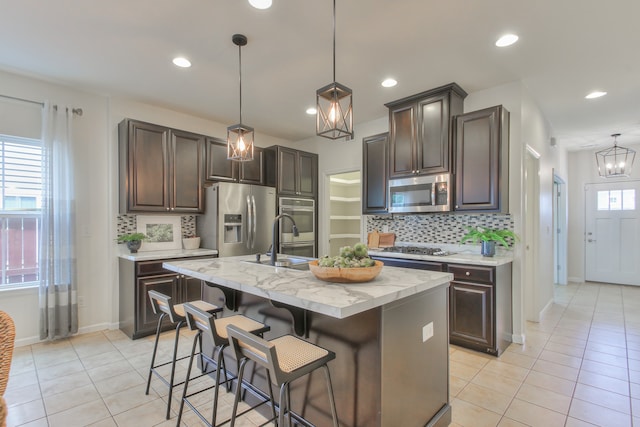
[460, 254]
[168, 254]
[454, 258]
[302, 289]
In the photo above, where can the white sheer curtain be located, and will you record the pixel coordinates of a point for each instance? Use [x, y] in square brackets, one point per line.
[58, 287]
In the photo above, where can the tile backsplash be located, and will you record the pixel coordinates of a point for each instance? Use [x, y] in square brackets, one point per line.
[434, 228]
[127, 224]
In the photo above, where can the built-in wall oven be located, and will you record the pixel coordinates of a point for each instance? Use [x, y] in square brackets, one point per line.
[303, 212]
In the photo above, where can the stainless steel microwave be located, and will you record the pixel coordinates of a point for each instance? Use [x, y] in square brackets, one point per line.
[428, 193]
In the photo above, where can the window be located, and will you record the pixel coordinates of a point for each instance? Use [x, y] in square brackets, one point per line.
[617, 200]
[20, 204]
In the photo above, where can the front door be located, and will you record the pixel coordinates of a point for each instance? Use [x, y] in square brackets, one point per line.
[612, 233]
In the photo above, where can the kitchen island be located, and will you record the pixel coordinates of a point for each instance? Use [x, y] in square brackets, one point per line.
[390, 336]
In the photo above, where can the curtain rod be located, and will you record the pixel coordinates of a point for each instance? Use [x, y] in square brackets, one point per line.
[77, 111]
[23, 100]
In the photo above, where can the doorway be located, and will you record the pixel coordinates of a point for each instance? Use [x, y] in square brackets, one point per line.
[560, 231]
[531, 218]
[612, 233]
[345, 211]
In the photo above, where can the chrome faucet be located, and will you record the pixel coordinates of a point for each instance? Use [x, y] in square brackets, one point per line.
[276, 232]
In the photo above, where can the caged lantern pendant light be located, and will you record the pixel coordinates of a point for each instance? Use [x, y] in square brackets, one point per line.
[616, 161]
[334, 117]
[240, 137]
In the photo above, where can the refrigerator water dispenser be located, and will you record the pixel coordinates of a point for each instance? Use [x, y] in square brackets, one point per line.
[232, 228]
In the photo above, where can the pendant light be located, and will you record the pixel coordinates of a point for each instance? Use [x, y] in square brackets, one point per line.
[334, 117]
[616, 161]
[240, 137]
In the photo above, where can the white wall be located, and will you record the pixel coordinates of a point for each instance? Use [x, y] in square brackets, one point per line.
[536, 133]
[582, 171]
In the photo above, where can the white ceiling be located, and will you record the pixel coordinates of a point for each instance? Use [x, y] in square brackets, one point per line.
[567, 48]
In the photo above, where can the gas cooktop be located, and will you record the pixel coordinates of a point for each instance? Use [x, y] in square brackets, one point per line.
[417, 250]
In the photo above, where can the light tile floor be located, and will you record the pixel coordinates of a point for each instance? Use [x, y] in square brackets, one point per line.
[579, 367]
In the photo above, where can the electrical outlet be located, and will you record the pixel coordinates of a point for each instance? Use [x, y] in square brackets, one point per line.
[80, 301]
[427, 331]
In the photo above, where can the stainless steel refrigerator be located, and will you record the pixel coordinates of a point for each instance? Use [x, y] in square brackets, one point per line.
[238, 218]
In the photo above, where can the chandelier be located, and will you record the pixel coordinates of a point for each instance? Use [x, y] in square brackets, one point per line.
[616, 161]
[334, 117]
[240, 136]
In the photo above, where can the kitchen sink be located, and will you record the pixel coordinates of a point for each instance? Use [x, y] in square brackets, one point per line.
[284, 261]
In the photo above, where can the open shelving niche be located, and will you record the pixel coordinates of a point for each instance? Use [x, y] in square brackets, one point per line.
[344, 211]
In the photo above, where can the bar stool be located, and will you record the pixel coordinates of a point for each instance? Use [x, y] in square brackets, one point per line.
[286, 358]
[215, 330]
[162, 304]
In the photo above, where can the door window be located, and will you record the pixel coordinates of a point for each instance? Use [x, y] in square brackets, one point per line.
[617, 200]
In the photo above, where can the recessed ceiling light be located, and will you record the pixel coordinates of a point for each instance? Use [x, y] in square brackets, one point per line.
[182, 62]
[260, 4]
[595, 94]
[311, 110]
[389, 82]
[507, 40]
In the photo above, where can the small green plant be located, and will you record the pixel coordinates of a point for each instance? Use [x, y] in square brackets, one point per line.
[484, 234]
[131, 237]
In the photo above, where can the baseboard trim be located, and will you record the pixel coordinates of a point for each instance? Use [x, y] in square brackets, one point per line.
[84, 330]
[517, 338]
[545, 309]
[575, 279]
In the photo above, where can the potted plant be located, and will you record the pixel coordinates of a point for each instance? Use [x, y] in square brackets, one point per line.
[133, 240]
[488, 237]
[190, 241]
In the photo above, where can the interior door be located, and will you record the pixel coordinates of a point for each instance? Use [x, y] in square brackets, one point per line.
[612, 233]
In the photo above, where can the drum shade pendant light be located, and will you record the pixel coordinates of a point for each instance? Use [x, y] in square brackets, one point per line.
[616, 161]
[334, 117]
[240, 136]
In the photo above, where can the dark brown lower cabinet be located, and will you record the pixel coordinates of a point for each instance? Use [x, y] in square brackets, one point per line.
[137, 278]
[480, 315]
[471, 315]
[480, 307]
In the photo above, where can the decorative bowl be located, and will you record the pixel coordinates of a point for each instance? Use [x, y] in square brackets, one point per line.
[345, 275]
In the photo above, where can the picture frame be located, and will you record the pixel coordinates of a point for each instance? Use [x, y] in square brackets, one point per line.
[163, 232]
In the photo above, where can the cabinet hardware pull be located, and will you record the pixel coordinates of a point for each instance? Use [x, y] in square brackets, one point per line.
[467, 273]
[167, 208]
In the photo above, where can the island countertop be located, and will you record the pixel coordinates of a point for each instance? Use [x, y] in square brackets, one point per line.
[303, 290]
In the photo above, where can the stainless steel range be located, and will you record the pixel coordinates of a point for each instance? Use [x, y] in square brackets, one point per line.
[417, 250]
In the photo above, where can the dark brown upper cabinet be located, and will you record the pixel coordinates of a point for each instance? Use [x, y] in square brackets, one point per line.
[293, 172]
[482, 160]
[420, 141]
[375, 164]
[161, 169]
[219, 168]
